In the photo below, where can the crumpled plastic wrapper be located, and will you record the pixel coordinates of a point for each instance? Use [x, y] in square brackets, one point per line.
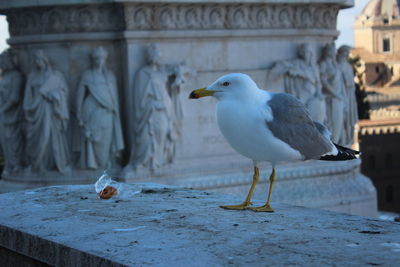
[107, 188]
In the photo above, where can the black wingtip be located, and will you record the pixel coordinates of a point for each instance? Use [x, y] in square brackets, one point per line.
[344, 153]
[193, 95]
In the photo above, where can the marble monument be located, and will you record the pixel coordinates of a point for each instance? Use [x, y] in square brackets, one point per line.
[156, 54]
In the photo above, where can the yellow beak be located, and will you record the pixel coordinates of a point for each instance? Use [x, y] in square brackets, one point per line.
[200, 93]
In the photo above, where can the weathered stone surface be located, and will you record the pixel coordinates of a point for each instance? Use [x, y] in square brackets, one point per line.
[70, 225]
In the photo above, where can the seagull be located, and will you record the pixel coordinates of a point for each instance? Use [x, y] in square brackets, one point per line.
[265, 126]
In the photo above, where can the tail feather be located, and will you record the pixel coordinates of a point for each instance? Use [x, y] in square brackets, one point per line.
[344, 153]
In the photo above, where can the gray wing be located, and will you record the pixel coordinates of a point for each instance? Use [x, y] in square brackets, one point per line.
[323, 130]
[292, 124]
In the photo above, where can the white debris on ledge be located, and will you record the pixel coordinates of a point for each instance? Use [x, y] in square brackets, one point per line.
[164, 226]
[107, 188]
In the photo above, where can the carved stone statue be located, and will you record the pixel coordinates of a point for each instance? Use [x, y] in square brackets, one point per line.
[332, 87]
[179, 73]
[158, 112]
[1, 125]
[98, 115]
[301, 79]
[46, 114]
[11, 88]
[350, 110]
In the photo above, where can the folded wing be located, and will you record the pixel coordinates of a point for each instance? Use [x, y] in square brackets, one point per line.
[293, 125]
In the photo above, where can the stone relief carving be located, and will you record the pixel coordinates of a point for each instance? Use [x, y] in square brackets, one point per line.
[192, 16]
[42, 20]
[46, 117]
[302, 79]
[229, 16]
[333, 88]
[350, 105]
[11, 117]
[100, 137]
[158, 112]
[179, 73]
[285, 18]
[42, 118]
[305, 17]
[136, 16]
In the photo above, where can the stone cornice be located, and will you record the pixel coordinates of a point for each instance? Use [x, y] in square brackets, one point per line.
[152, 17]
[284, 172]
[380, 130]
[11, 4]
[67, 19]
[378, 127]
[383, 113]
[229, 16]
[172, 34]
[383, 98]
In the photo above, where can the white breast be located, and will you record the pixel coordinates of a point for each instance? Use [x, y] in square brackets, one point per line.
[244, 127]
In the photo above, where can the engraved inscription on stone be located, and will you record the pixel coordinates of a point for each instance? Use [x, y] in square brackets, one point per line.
[213, 139]
[206, 120]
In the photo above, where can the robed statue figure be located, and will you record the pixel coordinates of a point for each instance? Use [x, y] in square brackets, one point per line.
[158, 112]
[11, 115]
[98, 115]
[46, 114]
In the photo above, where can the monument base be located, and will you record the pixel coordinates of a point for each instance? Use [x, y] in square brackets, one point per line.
[336, 186]
[210, 38]
[71, 226]
[22, 181]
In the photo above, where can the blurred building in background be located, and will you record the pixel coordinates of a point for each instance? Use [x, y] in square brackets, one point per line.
[377, 44]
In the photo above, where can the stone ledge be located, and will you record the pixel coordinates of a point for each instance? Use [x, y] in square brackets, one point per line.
[171, 34]
[30, 3]
[71, 226]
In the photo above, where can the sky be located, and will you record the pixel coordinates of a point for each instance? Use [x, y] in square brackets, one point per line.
[3, 33]
[345, 23]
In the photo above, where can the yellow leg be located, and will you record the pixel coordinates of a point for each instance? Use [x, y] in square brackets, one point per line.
[267, 207]
[247, 201]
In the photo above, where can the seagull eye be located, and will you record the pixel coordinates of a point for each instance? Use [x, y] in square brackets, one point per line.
[226, 83]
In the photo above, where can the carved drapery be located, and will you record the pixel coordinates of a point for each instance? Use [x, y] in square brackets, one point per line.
[150, 17]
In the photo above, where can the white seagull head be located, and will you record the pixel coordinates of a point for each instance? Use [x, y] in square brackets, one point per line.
[233, 85]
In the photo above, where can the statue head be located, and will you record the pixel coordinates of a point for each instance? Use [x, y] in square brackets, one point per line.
[329, 50]
[305, 52]
[41, 60]
[99, 56]
[343, 51]
[153, 55]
